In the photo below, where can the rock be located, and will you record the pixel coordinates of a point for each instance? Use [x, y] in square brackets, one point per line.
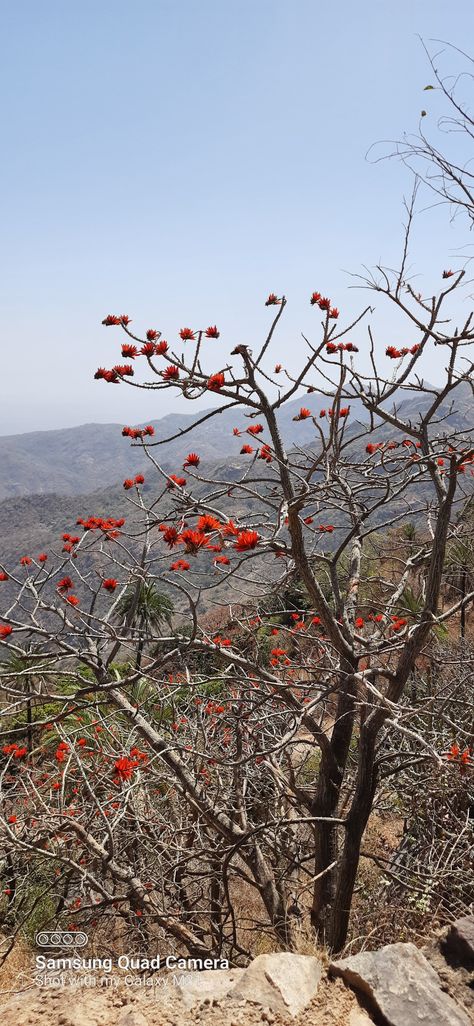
[282, 982]
[401, 986]
[200, 988]
[459, 942]
[358, 1017]
[131, 1017]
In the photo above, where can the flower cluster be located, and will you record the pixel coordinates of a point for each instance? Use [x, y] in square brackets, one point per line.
[395, 353]
[324, 304]
[341, 347]
[15, 750]
[131, 481]
[129, 432]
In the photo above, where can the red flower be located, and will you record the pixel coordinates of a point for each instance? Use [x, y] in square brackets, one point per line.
[255, 429]
[208, 523]
[110, 320]
[170, 373]
[25, 561]
[193, 540]
[128, 483]
[315, 298]
[73, 600]
[230, 529]
[65, 584]
[322, 413]
[393, 353]
[170, 536]
[148, 349]
[139, 479]
[187, 335]
[331, 348]
[216, 382]
[224, 560]
[152, 334]
[278, 368]
[326, 528]
[107, 375]
[272, 300]
[82, 741]
[303, 414]
[344, 411]
[175, 480]
[42, 557]
[5, 630]
[324, 303]
[334, 313]
[192, 460]
[448, 274]
[246, 540]
[265, 454]
[359, 622]
[161, 348]
[129, 351]
[181, 564]
[246, 450]
[12, 819]
[124, 370]
[124, 767]
[212, 332]
[109, 584]
[3, 576]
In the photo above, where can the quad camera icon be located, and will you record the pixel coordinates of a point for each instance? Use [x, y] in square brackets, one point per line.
[61, 939]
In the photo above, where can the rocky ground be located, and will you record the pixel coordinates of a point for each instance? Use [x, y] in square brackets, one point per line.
[398, 985]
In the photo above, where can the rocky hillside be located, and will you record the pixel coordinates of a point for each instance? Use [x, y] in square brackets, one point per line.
[76, 461]
[397, 985]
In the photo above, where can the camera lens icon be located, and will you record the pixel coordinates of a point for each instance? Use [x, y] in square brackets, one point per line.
[61, 939]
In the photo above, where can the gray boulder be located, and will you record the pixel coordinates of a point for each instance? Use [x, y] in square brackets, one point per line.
[459, 942]
[401, 985]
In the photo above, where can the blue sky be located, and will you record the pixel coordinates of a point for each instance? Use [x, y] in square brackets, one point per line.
[179, 160]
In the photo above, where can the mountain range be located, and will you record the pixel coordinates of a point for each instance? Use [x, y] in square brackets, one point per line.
[48, 478]
[79, 460]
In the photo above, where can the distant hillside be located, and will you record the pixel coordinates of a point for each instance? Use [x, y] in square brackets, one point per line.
[78, 472]
[75, 461]
[95, 457]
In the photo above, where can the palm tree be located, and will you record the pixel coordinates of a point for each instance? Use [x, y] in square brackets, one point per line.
[23, 670]
[460, 573]
[145, 609]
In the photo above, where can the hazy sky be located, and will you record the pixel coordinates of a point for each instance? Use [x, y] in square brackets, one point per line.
[177, 160]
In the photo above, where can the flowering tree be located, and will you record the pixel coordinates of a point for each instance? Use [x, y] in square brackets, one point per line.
[243, 752]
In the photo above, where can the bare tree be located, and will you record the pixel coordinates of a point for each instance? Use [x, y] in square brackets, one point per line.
[244, 760]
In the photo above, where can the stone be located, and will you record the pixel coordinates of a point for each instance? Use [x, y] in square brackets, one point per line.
[400, 985]
[358, 1017]
[281, 982]
[459, 943]
[202, 988]
[131, 1017]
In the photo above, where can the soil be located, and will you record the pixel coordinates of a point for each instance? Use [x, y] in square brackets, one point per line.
[124, 1006]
